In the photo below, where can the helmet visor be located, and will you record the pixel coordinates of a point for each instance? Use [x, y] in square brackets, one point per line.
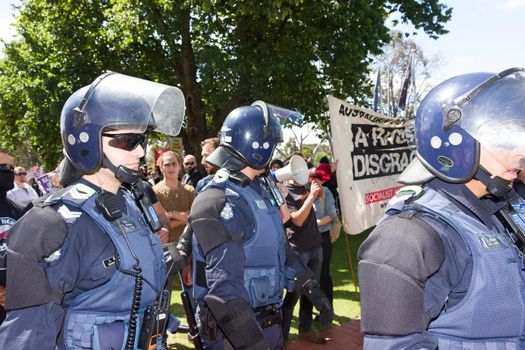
[124, 102]
[495, 116]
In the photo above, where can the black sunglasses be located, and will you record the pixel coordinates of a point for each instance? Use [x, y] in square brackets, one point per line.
[7, 168]
[189, 163]
[20, 174]
[127, 142]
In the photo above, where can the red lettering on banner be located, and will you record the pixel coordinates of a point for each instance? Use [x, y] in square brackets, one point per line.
[382, 195]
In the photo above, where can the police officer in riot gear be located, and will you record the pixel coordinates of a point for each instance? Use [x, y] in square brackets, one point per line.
[441, 270]
[241, 259]
[84, 263]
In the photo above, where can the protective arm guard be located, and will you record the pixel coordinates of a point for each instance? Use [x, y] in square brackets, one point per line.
[237, 321]
[175, 261]
[396, 261]
[313, 292]
[30, 241]
[309, 287]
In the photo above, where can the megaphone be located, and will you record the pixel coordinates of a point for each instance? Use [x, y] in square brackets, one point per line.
[296, 170]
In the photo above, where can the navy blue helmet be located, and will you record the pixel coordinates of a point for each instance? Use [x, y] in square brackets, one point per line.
[466, 112]
[114, 102]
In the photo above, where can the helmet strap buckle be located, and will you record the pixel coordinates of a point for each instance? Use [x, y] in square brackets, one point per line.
[496, 185]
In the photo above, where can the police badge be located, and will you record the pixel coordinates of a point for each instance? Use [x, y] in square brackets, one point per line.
[227, 212]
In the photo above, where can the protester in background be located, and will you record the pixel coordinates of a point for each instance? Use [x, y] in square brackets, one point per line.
[276, 164]
[331, 184]
[192, 174]
[175, 197]
[185, 241]
[325, 211]
[304, 236]
[84, 265]
[208, 146]
[154, 177]
[22, 192]
[441, 270]
[32, 182]
[10, 211]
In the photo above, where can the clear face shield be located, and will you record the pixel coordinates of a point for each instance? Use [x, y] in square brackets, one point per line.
[116, 102]
[493, 113]
[280, 113]
[122, 102]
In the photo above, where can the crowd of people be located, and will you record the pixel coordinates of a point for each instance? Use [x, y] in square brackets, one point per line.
[97, 236]
[91, 263]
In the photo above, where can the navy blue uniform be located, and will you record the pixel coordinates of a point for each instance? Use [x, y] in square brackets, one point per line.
[428, 268]
[224, 272]
[85, 261]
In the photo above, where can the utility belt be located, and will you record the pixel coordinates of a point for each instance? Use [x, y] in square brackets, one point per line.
[266, 316]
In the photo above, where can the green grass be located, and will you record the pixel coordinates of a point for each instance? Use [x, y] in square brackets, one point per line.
[346, 300]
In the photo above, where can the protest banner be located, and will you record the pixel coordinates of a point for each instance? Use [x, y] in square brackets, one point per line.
[372, 151]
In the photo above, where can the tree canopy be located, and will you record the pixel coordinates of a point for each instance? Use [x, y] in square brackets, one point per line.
[222, 54]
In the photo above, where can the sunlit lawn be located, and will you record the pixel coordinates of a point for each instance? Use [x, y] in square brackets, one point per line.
[346, 300]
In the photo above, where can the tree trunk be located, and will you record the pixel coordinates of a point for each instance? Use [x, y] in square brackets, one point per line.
[196, 121]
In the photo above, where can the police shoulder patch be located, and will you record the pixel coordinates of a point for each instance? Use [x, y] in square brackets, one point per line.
[81, 191]
[69, 216]
[221, 175]
[227, 212]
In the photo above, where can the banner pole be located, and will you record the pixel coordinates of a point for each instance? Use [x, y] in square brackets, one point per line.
[352, 272]
[348, 254]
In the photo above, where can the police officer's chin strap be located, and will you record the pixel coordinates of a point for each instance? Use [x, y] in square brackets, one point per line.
[496, 185]
[133, 177]
[122, 173]
[240, 179]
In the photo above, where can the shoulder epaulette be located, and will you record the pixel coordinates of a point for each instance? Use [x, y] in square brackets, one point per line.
[75, 194]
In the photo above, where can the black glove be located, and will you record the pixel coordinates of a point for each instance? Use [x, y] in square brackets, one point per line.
[176, 260]
[312, 291]
[184, 243]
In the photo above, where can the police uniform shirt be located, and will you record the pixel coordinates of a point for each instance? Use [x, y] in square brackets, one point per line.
[452, 263]
[88, 262]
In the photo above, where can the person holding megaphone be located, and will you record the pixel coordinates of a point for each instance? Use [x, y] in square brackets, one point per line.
[304, 236]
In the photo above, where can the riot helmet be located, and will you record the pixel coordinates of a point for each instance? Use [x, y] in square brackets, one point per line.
[115, 102]
[469, 112]
[248, 137]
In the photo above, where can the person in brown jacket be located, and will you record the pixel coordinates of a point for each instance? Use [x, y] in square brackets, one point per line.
[175, 197]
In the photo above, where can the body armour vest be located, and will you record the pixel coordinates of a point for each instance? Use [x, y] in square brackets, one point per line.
[94, 314]
[264, 249]
[491, 314]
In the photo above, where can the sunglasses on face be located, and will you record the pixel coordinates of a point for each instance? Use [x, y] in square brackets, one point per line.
[189, 163]
[20, 174]
[127, 142]
[7, 168]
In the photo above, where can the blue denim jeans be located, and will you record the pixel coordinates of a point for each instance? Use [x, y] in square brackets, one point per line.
[313, 259]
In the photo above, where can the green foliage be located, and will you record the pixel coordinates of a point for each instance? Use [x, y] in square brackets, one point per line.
[221, 53]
